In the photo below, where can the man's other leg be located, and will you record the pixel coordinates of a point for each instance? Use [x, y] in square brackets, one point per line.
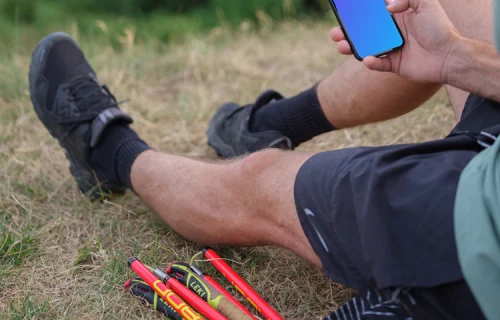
[245, 202]
[352, 95]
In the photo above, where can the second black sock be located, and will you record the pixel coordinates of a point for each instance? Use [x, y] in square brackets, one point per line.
[299, 118]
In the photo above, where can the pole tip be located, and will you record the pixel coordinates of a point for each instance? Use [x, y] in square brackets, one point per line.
[131, 260]
[206, 249]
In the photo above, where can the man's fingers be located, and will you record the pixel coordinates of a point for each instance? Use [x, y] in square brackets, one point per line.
[344, 48]
[378, 64]
[337, 35]
[399, 6]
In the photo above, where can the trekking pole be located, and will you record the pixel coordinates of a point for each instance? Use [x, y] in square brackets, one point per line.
[140, 289]
[197, 284]
[163, 291]
[190, 297]
[221, 289]
[241, 285]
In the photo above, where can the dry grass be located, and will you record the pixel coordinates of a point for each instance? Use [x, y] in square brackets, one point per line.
[67, 257]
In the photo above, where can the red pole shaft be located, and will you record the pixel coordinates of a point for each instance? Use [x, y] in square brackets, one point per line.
[168, 295]
[217, 286]
[242, 286]
[195, 301]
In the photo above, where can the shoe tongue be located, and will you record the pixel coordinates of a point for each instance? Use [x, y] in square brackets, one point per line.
[103, 120]
[266, 97]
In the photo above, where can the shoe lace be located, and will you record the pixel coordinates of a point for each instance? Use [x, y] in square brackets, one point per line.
[89, 97]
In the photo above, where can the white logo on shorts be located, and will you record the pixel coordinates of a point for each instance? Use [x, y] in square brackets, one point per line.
[310, 214]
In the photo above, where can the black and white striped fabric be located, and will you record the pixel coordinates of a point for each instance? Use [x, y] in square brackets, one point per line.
[375, 304]
[452, 301]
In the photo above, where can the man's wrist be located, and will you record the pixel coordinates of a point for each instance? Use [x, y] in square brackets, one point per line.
[458, 60]
[474, 66]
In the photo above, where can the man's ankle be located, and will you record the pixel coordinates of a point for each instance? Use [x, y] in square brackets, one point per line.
[116, 153]
[300, 117]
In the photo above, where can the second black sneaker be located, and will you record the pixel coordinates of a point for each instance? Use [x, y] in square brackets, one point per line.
[229, 130]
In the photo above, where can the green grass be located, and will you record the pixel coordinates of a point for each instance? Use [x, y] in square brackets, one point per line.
[65, 257]
[26, 309]
[15, 247]
[24, 21]
[115, 271]
[13, 78]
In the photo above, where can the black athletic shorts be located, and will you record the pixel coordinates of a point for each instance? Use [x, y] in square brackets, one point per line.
[381, 218]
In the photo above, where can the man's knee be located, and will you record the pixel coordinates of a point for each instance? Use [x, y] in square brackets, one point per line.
[268, 179]
[242, 198]
[258, 176]
[271, 175]
[256, 165]
[271, 172]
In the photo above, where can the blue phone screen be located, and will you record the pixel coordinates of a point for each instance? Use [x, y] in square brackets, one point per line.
[369, 25]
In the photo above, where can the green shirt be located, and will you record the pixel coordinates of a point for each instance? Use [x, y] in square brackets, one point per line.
[477, 220]
[477, 228]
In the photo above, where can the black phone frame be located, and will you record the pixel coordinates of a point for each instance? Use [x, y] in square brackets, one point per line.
[353, 48]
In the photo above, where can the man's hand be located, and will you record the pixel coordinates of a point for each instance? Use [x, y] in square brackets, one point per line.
[430, 37]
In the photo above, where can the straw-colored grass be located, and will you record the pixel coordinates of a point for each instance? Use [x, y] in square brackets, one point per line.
[63, 257]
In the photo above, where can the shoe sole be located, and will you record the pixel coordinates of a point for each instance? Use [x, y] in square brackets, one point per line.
[85, 177]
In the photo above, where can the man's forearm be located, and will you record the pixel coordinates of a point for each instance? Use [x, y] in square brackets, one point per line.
[474, 66]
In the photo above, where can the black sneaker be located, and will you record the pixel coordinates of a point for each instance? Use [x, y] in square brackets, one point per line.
[74, 107]
[229, 130]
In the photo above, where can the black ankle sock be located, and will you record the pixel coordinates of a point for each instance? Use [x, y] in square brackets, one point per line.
[116, 152]
[299, 118]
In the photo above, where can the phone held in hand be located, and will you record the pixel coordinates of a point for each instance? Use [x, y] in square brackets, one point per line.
[368, 26]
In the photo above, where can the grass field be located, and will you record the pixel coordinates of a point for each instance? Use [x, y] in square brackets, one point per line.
[164, 23]
[63, 257]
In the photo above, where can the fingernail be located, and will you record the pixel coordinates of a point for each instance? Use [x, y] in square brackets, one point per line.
[390, 3]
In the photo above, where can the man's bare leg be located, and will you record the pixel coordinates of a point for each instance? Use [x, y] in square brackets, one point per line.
[245, 202]
[352, 95]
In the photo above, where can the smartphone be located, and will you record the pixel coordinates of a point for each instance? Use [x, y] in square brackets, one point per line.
[368, 26]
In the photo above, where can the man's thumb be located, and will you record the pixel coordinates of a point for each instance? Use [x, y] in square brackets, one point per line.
[399, 6]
